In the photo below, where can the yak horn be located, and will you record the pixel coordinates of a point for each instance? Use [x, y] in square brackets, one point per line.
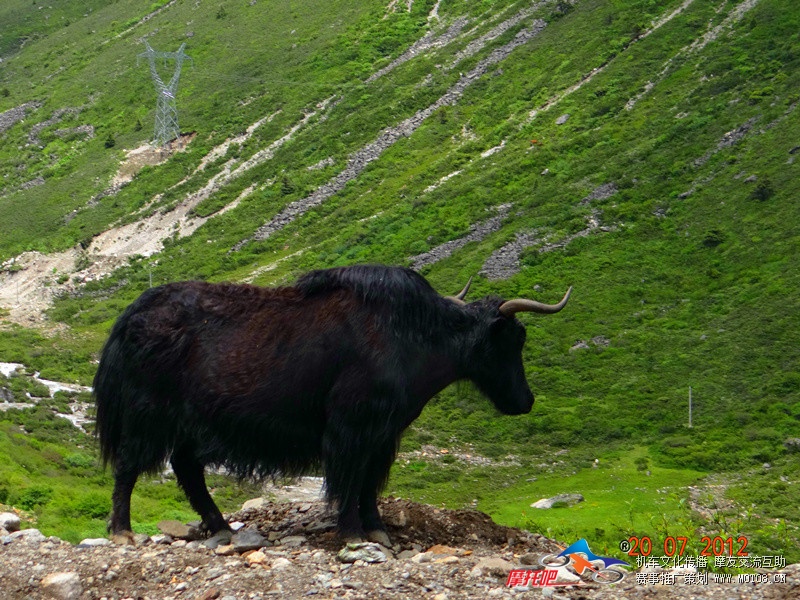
[523, 305]
[459, 298]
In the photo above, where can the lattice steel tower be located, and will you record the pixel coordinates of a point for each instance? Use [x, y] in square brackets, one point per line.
[166, 128]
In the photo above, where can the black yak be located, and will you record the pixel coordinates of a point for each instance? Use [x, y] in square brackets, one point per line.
[326, 373]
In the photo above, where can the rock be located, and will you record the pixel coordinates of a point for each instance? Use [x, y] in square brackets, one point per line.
[558, 501]
[443, 550]
[406, 554]
[63, 586]
[281, 563]
[379, 536]
[254, 503]
[214, 573]
[94, 542]
[791, 445]
[366, 551]
[236, 525]
[210, 594]
[256, 558]
[221, 538]
[422, 557]
[497, 567]
[33, 536]
[161, 538]
[248, 539]
[562, 119]
[529, 559]
[226, 550]
[9, 521]
[179, 530]
[566, 576]
[293, 541]
[447, 560]
[398, 519]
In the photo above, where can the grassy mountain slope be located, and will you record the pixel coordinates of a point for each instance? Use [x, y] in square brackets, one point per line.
[646, 150]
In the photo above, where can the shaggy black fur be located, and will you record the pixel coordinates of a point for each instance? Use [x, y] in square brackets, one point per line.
[324, 374]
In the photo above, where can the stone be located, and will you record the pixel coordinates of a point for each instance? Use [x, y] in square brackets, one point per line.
[33, 536]
[446, 560]
[221, 538]
[560, 500]
[422, 557]
[9, 521]
[94, 542]
[398, 519]
[529, 559]
[179, 530]
[161, 538]
[406, 554]
[248, 539]
[365, 551]
[497, 567]
[254, 503]
[566, 576]
[293, 541]
[442, 549]
[281, 563]
[226, 550]
[62, 586]
[210, 594]
[379, 536]
[791, 445]
[256, 558]
[562, 119]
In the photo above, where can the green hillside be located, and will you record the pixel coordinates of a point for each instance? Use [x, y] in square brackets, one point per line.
[640, 151]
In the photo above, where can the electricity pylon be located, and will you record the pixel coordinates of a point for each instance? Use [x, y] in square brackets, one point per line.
[166, 128]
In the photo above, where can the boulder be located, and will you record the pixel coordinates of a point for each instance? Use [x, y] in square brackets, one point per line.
[9, 521]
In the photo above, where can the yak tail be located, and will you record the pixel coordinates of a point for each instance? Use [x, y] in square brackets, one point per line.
[109, 382]
[134, 426]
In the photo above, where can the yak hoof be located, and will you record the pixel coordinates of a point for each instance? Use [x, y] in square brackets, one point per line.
[379, 536]
[123, 538]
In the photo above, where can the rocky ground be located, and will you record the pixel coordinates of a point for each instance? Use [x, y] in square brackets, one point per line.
[290, 550]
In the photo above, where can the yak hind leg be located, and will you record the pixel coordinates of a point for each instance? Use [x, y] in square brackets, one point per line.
[120, 524]
[375, 478]
[355, 484]
[191, 478]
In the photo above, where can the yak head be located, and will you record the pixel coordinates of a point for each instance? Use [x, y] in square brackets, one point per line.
[493, 354]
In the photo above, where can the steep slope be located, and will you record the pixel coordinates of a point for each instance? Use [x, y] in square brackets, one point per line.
[643, 152]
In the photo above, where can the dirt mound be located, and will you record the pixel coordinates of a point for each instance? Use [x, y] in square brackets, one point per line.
[410, 525]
